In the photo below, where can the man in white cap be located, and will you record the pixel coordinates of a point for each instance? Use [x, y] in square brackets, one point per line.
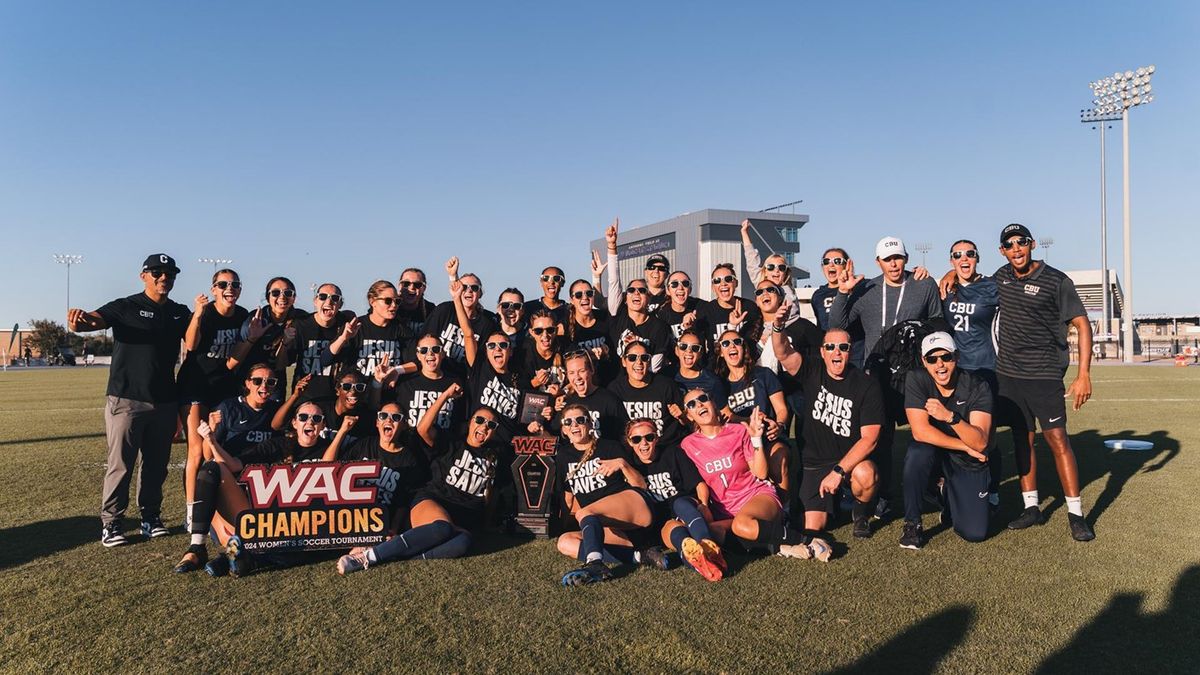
[950, 412]
[141, 409]
[894, 296]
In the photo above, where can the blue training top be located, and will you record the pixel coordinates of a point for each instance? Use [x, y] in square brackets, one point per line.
[971, 311]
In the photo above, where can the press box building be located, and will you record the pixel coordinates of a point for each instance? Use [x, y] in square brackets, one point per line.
[697, 242]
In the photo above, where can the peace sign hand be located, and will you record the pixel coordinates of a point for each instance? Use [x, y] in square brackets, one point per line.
[383, 370]
[737, 316]
[351, 328]
[598, 267]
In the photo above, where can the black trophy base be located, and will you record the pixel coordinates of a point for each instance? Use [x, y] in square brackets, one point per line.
[537, 526]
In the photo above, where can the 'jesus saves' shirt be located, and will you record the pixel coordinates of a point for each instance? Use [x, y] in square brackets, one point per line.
[443, 322]
[372, 342]
[403, 472]
[586, 484]
[418, 393]
[670, 474]
[462, 474]
[835, 411]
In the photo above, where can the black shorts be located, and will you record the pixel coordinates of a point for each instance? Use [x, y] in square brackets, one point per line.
[1019, 403]
[464, 517]
[810, 487]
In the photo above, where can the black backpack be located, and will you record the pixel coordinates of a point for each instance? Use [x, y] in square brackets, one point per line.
[897, 352]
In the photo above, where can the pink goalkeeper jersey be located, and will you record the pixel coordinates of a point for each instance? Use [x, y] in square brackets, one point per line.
[724, 464]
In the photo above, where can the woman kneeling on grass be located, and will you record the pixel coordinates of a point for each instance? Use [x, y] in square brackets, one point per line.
[678, 518]
[446, 510]
[218, 491]
[606, 495]
[732, 462]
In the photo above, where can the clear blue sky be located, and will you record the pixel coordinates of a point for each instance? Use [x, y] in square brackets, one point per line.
[345, 141]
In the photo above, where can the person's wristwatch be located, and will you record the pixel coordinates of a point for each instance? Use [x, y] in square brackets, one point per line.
[837, 468]
[955, 418]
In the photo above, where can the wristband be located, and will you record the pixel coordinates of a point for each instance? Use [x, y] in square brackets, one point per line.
[756, 442]
[776, 329]
[955, 418]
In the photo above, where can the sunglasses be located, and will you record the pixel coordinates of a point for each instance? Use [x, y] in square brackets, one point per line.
[512, 306]
[634, 358]
[415, 285]
[160, 273]
[637, 290]
[767, 289]
[258, 381]
[480, 419]
[734, 341]
[838, 346]
[492, 346]
[575, 353]
[702, 398]
[386, 416]
[316, 418]
[581, 420]
[947, 357]
[434, 349]
[579, 295]
[332, 297]
[694, 347]
[656, 268]
[235, 285]
[285, 292]
[649, 438]
[680, 282]
[727, 279]
[771, 267]
[552, 278]
[833, 261]
[541, 330]
[970, 253]
[1019, 241]
[389, 300]
[360, 387]
[474, 288]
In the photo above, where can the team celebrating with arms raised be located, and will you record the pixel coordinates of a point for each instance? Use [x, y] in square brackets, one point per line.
[685, 426]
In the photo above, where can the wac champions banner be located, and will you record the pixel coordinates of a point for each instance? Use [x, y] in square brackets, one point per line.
[311, 506]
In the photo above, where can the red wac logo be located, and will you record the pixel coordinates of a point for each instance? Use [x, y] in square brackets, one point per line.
[334, 483]
[534, 445]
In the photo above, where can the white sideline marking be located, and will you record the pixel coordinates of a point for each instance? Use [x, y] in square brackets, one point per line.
[36, 410]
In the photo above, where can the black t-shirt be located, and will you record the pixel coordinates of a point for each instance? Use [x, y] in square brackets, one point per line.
[715, 387]
[218, 336]
[443, 322]
[462, 474]
[559, 313]
[670, 475]
[146, 344]
[805, 338]
[674, 319]
[652, 401]
[363, 427]
[607, 411]
[372, 342]
[586, 484]
[970, 394]
[1035, 312]
[530, 362]
[754, 390]
[243, 427]
[652, 332]
[284, 449]
[414, 319]
[590, 337]
[403, 472]
[313, 339]
[835, 411]
[418, 393]
[501, 392]
[716, 319]
[263, 350]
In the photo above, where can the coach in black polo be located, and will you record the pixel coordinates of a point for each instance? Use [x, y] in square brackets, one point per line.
[1037, 303]
[141, 408]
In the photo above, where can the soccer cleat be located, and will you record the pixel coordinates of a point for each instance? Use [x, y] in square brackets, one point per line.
[1080, 530]
[658, 557]
[1029, 517]
[217, 567]
[911, 537]
[241, 563]
[194, 559]
[821, 550]
[588, 573]
[712, 553]
[693, 553]
[154, 528]
[882, 508]
[112, 536]
[862, 528]
[815, 549]
[799, 551]
[355, 561]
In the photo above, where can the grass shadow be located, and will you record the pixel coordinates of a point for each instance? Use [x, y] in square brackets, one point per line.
[920, 647]
[1122, 638]
[27, 543]
[72, 437]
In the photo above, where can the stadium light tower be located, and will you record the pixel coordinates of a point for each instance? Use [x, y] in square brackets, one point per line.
[1112, 95]
[924, 247]
[1045, 243]
[1101, 118]
[215, 262]
[68, 259]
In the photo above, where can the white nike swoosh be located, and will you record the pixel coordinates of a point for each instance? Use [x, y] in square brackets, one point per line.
[1054, 419]
[983, 495]
[960, 403]
[1006, 282]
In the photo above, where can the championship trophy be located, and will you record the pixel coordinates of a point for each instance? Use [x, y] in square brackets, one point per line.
[534, 477]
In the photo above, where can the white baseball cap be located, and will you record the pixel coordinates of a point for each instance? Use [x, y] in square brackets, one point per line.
[888, 247]
[936, 341]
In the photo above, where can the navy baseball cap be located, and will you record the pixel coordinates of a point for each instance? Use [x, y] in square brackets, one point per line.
[658, 259]
[1014, 230]
[158, 261]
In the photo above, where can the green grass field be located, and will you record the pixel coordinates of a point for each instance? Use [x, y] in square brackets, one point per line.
[1021, 601]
